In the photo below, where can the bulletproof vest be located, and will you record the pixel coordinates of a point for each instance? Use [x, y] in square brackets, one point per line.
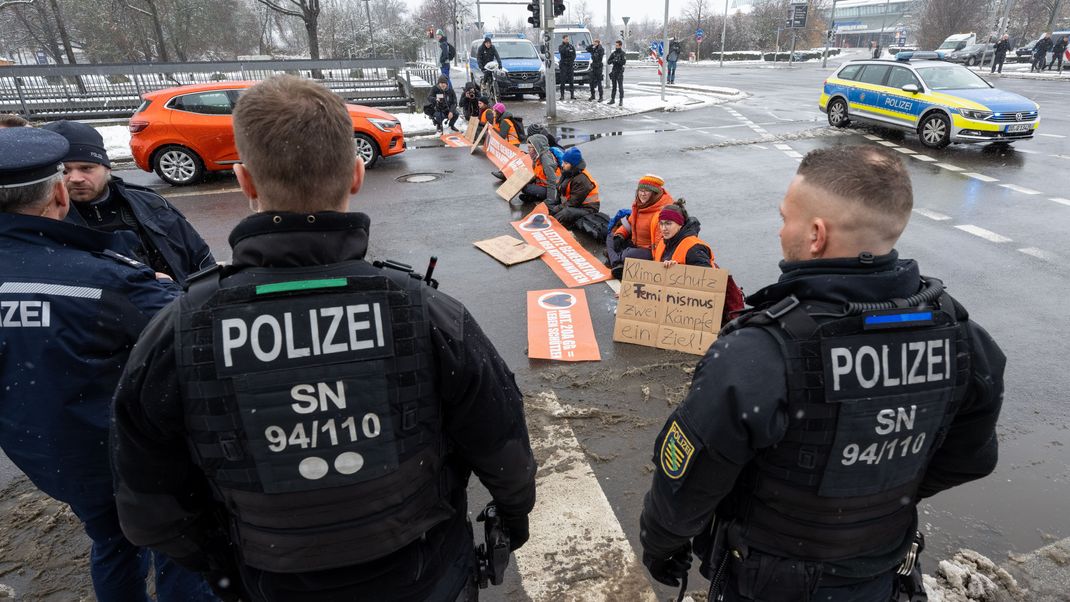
[311, 406]
[870, 398]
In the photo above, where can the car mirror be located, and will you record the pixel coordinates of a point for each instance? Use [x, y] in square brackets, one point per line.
[912, 88]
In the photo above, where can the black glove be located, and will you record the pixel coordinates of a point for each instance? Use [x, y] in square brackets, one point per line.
[517, 528]
[619, 243]
[672, 569]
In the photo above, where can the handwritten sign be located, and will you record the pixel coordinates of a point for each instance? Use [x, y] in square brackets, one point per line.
[559, 326]
[677, 308]
[515, 183]
[508, 250]
[505, 156]
[564, 254]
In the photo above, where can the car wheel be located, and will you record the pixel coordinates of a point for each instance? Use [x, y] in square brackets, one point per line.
[366, 149]
[178, 165]
[969, 62]
[935, 130]
[837, 112]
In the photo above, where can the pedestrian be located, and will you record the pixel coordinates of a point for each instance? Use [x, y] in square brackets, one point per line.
[442, 104]
[779, 462]
[334, 466]
[1002, 47]
[8, 120]
[469, 101]
[598, 57]
[577, 190]
[486, 54]
[156, 233]
[616, 61]
[567, 67]
[1058, 49]
[675, 48]
[446, 53]
[73, 308]
[543, 186]
[1040, 53]
[637, 236]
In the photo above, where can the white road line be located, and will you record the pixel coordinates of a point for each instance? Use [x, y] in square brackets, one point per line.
[793, 154]
[1040, 254]
[949, 167]
[578, 532]
[1020, 189]
[1051, 136]
[933, 215]
[1060, 200]
[783, 147]
[985, 234]
[981, 177]
[871, 137]
[886, 143]
[1026, 151]
[200, 192]
[905, 151]
[925, 158]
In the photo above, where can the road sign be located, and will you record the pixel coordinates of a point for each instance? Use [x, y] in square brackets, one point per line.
[797, 16]
[699, 34]
[658, 46]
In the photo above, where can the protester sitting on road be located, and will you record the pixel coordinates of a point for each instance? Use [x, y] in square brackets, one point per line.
[506, 126]
[442, 104]
[538, 128]
[547, 172]
[577, 191]
[679, 238]
[637, 236]
[12, 121]
[469, 101]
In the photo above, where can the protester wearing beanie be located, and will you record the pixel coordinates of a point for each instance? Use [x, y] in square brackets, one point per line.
[507, 128]
[162, 238]
[637, 236]
[577, 190]
[679, 238]
[442, 104]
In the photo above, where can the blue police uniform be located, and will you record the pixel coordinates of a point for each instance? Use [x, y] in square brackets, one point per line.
[70, 311]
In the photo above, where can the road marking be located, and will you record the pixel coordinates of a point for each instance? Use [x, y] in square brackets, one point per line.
[985, 234]
[886, 143]
[1026, 151]
[1052, 136]
[950, 167]
[578, 532]
[978, 176]
[933, 215]
[1060, 200]
[905, 151]
[1040, 254]
[925, 158]
[871, 137]
[793, 154]
[200, 192]
[783, 147]
[1020, 189]
[760, 146]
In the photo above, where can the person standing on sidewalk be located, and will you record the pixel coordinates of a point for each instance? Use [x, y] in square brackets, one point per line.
[1002, 46]
[568, 64]
[1040, 53]
[445, 54]
[598, 56]
[616, 72]
[675, 49]
[1057, 52]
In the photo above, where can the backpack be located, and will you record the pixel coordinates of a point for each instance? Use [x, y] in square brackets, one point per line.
[734, 301]
[595, 225]
[451, 52]
[521, 132]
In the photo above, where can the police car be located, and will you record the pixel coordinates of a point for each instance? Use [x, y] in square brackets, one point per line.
[942, 102]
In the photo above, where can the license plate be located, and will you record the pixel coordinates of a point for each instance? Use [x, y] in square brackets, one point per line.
[525, 85]
[1019, 127]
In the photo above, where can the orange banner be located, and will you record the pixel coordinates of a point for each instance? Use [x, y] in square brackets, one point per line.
[564, 254]
[503, 155]
[559, 326]
[455, 140]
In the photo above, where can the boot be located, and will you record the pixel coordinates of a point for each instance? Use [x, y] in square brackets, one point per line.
[621, 103]
[591, 99]
[499, 175]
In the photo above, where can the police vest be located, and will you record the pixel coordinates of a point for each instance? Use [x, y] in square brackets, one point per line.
[310, 405]
[870, 398]
[679, 254]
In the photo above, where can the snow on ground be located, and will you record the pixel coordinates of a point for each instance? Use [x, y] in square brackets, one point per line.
[116, 141]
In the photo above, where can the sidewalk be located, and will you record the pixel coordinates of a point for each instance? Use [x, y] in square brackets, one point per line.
[1021, 71]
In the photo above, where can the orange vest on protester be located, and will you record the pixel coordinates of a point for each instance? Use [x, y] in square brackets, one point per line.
[592, 196]
[540, 174]
[680, 254]
[512, 137]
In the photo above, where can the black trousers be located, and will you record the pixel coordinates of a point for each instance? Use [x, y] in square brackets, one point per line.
[566, 78]
[596, 83]
[997, 63]
[617, 81]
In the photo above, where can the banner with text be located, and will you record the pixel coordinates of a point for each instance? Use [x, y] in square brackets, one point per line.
[559, 326]
[677, 308]
[505, 156]
[454, 140]
[564, 254]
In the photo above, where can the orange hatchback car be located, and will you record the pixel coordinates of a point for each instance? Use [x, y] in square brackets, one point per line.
[182, 133]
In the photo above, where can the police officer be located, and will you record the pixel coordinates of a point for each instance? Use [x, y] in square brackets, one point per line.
[567, 67]
[815, 423]
[334, 410]
[70, 310]
[157, 233]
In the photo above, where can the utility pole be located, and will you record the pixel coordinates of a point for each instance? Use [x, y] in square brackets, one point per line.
[832, 27]
[607, 43]
[548, 40]
[664, 50]
[371, 34]
[724, 30]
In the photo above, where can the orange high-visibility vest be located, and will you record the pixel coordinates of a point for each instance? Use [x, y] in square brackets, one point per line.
[680, 254]
[512, 137]
[592, 197]
[540, 173]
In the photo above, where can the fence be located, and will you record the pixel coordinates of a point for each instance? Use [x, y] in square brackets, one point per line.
[103, 91]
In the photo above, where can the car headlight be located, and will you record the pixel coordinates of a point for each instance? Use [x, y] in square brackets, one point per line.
[384, 125]
[970, 114]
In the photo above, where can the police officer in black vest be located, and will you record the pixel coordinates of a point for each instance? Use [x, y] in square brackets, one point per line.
[815, 423]
[302, 425]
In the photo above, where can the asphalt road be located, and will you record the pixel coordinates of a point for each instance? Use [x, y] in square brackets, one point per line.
[985, 222]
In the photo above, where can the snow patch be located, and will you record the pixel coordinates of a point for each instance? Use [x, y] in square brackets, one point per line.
[972, 577]
[116, 142]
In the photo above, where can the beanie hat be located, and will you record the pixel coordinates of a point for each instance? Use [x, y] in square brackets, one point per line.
[483, 99]
[499, 108]
[559, 154]
[652, 183]
[442, 79]
[86, 142]
[672, 213]
[572, 156]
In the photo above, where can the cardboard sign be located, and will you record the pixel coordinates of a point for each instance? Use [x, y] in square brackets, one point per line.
[564, 254]
[559, 326]
[470, 131]
[677, 308]
[508, 250]
[454, 140]
[505, 156]
[515, 183]
[475, 143]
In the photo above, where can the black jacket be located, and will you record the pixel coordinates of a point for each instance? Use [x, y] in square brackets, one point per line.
[738, 411]
[164, 240]
[598, 57]
[1042, 46]
[1058, 48]
[482, 415]
[470, 106]
[675, 48]
[616, 61]
[696, 255]
[568, 56]
[578, 186]
[443, 51]
[486, 55]
[442, 100]
[1002, 47]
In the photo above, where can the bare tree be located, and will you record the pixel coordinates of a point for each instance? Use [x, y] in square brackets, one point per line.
[153, 13]
[941, 18]
[308, 11]
[696, 15]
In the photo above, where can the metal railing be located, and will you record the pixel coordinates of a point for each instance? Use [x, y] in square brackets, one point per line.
[106, 91]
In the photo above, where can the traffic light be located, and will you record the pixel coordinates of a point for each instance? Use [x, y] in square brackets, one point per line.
[559, 8]
[535, 10]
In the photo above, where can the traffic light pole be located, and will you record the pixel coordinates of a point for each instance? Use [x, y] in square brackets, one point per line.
[828, 35]
[548, 40]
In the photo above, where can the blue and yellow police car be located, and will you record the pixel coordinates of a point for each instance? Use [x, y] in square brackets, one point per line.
[942, 102]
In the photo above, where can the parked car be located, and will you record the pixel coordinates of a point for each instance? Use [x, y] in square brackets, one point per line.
[182, 133]
[943, 103]
[973, 55]
[956, 42]
[522, 71]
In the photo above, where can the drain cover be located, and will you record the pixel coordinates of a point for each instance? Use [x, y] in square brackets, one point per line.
[418, 178]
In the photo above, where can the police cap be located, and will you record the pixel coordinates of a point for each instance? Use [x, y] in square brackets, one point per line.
[29, 156]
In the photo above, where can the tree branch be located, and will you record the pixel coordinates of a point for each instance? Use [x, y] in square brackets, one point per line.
[140, 10]
[279, 9]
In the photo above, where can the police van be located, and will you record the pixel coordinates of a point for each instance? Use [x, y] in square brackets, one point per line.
[522, 69]
[581, 38]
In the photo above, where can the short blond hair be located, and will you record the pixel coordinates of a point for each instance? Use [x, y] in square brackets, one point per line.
[295, 137]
